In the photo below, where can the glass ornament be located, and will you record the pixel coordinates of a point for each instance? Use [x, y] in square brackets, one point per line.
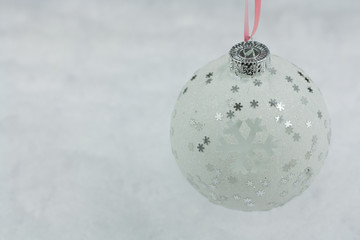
[250, 130]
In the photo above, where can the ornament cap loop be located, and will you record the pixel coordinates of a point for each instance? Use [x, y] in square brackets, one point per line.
[249, 58]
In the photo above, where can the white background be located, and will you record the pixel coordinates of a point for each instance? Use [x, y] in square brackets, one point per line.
[86, 93]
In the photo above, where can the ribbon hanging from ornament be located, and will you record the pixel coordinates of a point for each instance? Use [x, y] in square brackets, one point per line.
[256, 21]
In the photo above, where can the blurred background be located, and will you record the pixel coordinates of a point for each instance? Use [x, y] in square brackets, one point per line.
[86, 93]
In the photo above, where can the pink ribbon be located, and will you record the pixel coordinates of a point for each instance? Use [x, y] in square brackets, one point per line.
[256, 21]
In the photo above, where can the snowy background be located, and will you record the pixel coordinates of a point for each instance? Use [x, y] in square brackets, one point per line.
[86, 93]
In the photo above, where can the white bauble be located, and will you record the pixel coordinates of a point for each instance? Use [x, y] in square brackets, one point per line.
[251, 142]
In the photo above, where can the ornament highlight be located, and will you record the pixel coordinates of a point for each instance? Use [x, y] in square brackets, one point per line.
[250, 133]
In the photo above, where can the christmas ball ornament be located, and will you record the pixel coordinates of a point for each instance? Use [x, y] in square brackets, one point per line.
[250, 130]
[250, 133]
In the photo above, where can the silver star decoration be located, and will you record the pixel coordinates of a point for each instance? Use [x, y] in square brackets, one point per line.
[217, 172]
[218, 116]
[206, 140]
[288, 124]
[247, 200]
[254, 104]
[296, 88]
[308, 124]
[235, 88]
[288, 78]
[257, 82]
[280, 106]
[249, 183]
[238, 106]
[319, 114]
[272, 102]
[230, 114]
[200, 147]
[296, 137]
[260, 193]
[272, 71]
[289, 130]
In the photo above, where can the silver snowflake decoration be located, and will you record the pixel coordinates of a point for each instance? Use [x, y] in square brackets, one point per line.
[206, 140]
[230, 114]
[252, 154]
[319, 113]
[272, 102]
[260, 193]
[288, 124]
[235, 88]
[280, 106]
[254, 104]
[272, 71]
[288, 78]
[200, 147]
[296, 88]
[289, 130]
[257, 82]
[296, 137]
[218, 116]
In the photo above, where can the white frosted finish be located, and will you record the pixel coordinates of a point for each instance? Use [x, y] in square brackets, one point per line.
[250, 143]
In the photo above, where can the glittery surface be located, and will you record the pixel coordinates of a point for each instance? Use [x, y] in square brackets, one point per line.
[250, 146]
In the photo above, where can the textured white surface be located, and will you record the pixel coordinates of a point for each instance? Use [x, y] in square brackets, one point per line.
[258, 155]
[86, 93]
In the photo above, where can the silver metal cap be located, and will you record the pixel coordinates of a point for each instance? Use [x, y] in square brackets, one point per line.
[249, 58]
